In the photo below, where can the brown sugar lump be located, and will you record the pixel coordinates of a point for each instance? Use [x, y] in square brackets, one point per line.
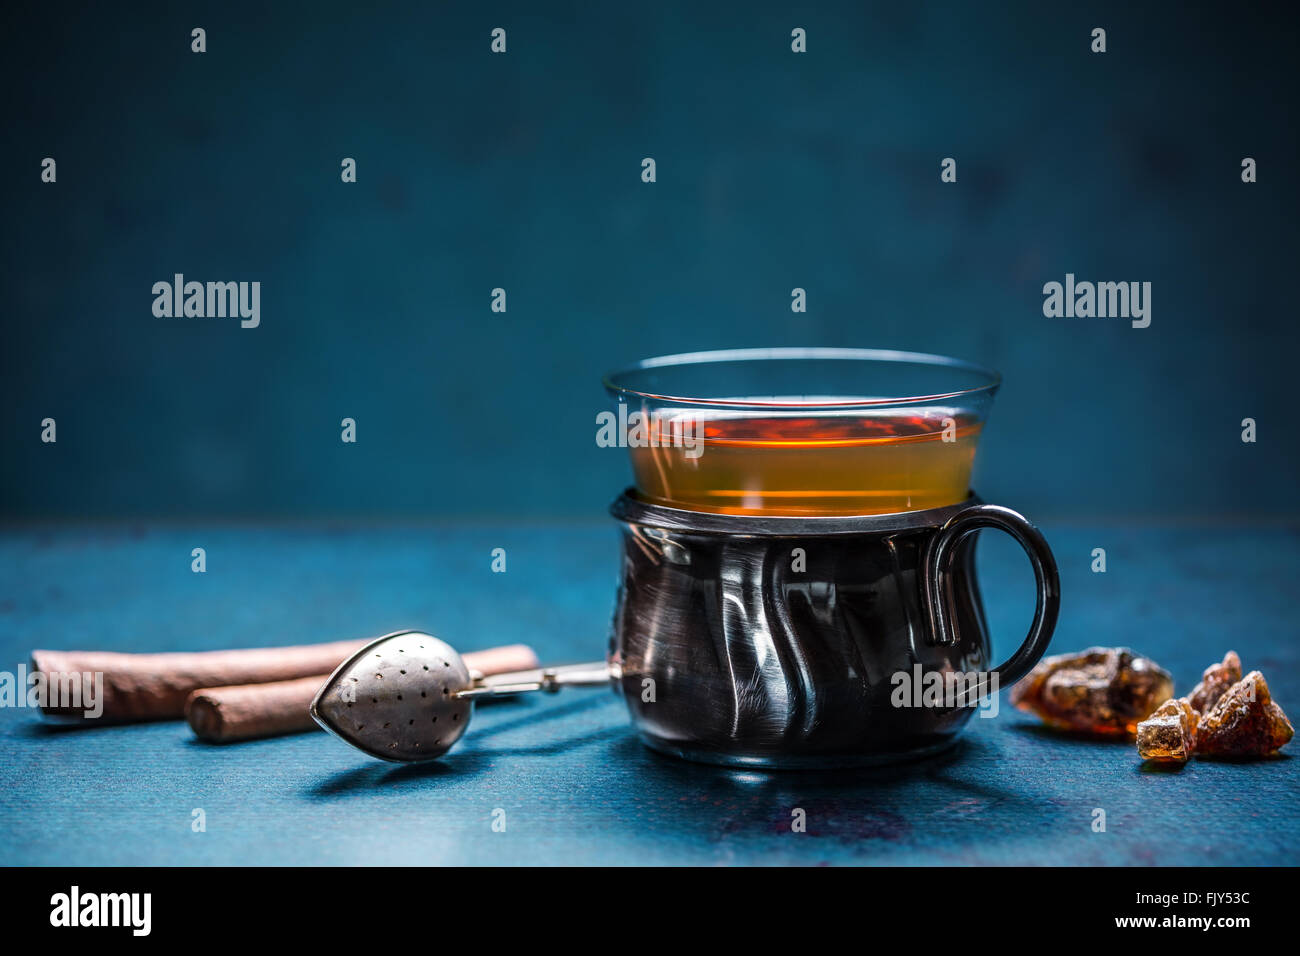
[1244, 722]
[1103, 691]
[1168, 735]
[1215, 683]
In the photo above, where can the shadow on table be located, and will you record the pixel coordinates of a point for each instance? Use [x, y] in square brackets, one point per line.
[390, 776]
[945, 804]
[1044, 733]
[44, 727]
[466, 761]
[949, 804]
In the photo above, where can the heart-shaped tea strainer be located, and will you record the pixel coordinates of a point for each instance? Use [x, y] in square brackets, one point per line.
[408, 696]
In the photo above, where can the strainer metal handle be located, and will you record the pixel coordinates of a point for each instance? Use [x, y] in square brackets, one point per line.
[545, 679]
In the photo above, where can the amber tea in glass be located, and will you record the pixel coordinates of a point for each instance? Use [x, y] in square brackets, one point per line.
[804, 432]
[882, 464]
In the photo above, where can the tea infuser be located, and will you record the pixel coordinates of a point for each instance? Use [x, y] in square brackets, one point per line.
[408, 696]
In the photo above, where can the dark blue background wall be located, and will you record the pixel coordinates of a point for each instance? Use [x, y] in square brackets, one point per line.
[522, 170]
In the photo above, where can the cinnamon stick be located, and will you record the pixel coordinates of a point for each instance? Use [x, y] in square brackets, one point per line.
[245, 711]
[154, 686]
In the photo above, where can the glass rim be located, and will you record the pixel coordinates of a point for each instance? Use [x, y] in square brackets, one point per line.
[994, 379]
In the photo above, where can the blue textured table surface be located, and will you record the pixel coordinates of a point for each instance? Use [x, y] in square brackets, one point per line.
[575, 784]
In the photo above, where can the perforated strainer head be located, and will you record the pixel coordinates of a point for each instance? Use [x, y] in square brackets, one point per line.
[396, 698]
[408, 696]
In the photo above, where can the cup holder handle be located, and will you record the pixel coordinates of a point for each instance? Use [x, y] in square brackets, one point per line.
[936, 583]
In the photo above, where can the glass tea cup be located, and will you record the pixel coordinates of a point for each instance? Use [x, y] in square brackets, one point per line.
[801, 536]
[803, 431]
